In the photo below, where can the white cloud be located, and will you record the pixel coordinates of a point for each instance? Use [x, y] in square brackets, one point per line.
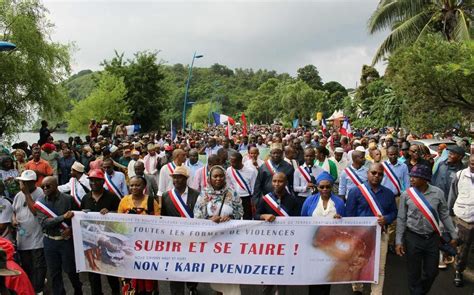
[276, 35]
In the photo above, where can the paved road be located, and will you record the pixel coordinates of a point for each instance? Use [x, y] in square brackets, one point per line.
[395, 283]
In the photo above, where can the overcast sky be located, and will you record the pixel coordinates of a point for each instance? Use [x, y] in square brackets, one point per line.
[275, 35]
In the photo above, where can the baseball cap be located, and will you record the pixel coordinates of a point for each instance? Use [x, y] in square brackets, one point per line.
[96, 173]
[456, 149]
[27, 175]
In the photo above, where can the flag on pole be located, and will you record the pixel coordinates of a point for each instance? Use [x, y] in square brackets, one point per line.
[244, 125]
[324, 127]
[173, 131]
[222, 119]
[346, 128]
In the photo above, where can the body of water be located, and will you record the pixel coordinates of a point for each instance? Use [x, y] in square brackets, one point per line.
[32, 137]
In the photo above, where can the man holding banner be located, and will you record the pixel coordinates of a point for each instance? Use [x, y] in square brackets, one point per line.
[422, 207]
[180, 202]
[373, 199]
[54, 213]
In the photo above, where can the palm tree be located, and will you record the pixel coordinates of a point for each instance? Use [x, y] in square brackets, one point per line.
[410, 20]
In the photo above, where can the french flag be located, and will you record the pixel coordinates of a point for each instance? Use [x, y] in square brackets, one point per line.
[222, 119]
[346, 128]
[324, 127]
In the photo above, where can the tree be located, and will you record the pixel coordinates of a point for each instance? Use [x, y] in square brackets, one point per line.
[29, 75]
[146, 91]
[298, 100]
[199, 113]
[411, 20]
[107, 101]
[310, 75]
[436, 73]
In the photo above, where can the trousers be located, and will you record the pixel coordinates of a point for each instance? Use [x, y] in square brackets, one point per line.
[34, 264]
[466, 236]
[422, 261]
[60, 257]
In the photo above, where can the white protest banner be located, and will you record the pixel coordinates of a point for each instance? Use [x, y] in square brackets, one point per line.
[289, 251]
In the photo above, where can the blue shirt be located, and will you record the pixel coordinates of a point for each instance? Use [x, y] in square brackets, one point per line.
[193, 168]
[401, 172]
[311, 203]
[345, 183]
[357, 206]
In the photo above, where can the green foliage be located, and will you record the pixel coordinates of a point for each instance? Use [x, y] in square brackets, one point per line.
[29, 75]
[199, 113]
[144, 80]
[412, 20]
[81, 85]
[310, 75]
[438, 73]
[107, 101]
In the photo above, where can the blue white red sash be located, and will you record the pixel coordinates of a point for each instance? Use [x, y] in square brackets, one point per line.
[48, 212]
[183, 209]
[353, 176]
[275, 206]
[305, 174]
[171, 166]
[204, 176]
[76, 199]
[240, 180]
[270, 167]
[392, 176]
[112, 187]
[370, 198]
[424, 206]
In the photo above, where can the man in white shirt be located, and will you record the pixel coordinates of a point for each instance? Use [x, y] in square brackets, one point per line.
[165, 181]
[29, 236]
[253, 160]
[289, 157]
[131, 164]
[304, 179]
[78, 185]
[151, 162]
[242, 179]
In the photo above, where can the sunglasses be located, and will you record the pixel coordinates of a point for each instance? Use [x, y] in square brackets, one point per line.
[324, 187]
[45, 186]
[376, 173]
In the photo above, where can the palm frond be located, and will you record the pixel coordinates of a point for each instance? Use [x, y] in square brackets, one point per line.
[391, 11]
[461, 30]
[403, 34]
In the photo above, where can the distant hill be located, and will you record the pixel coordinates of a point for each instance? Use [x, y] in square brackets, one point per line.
[80, 85]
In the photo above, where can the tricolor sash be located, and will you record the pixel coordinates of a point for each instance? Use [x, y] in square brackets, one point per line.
[270, 167]
[171, 166]
[76, 199]
[370, 198]
[204, 177]
[240, 180]
[183, 209]
[274, 205]
[48, 212]
[305, 174]
[112, 187]
[353, 176]
[392, 176]
[424, 206]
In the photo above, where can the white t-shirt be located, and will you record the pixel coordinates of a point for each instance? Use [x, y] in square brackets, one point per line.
[32, 237]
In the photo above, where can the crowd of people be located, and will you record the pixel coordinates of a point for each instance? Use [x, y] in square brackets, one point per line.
[423, 200]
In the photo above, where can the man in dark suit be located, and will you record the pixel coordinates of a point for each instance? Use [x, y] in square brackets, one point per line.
[179, 202]
[263, 184]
